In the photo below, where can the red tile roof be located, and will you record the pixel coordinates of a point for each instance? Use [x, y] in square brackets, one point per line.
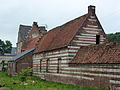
[60, 36]
[105, 53]
[31, 44]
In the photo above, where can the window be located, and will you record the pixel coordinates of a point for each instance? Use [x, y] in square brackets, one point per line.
[97, 39]
[47, 63]
[22, 50]
[40, 65]
[58, 65]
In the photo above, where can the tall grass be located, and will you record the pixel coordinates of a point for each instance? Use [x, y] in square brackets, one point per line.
[34, 83]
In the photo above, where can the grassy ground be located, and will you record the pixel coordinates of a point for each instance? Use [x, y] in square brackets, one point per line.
[33, 83]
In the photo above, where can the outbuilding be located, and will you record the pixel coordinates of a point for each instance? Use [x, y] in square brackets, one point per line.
[21, 61]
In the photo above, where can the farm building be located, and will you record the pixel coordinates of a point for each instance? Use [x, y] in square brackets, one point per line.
[76, 53]
[21, 61]
[99, 64]
[27, 33]
[23, 30]
[33, 36]
[6, 57]
[24, 58]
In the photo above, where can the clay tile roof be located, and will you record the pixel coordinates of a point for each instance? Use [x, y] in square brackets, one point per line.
[105, 53]
[32, 43]
[60, 36]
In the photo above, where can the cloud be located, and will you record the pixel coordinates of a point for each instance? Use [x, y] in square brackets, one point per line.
[54, 13]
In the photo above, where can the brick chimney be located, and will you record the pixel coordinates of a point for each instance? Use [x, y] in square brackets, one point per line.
[35, 24]
[91, 10]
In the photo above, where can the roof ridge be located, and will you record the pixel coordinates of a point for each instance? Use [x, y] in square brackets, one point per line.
[68, 22]
[25, 25]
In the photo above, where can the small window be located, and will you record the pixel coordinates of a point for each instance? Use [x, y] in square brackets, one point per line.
[97, 39]
[22, 50]
[40, 65]
[47, 63]
[58, 65]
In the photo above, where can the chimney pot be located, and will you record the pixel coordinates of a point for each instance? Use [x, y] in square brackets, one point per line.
[91, 10]
[35, 24]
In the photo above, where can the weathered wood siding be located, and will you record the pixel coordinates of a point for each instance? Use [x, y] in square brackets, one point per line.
[24, 62]
[19, 64]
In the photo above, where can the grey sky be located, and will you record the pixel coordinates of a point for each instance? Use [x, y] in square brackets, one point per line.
[54, 13]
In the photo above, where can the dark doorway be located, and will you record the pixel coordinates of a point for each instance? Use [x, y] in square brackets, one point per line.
[97, 39]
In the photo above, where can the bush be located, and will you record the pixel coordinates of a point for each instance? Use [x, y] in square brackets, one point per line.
[24, 74]
[22, 78]
[4, 66]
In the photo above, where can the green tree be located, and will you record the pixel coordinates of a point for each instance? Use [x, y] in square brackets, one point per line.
[3, 65]
[113, 37]
[2, 47]
[8, 46]
[5, 47]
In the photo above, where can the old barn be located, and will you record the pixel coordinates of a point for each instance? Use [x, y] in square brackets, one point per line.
[59, 54]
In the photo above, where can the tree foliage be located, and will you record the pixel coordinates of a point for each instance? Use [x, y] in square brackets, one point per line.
[8, 46]
[113, 37]
[25, 73]
[5, 47]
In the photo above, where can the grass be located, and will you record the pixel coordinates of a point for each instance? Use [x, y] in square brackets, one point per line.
[34, 83]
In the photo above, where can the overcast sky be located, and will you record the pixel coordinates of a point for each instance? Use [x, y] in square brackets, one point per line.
[54, 13]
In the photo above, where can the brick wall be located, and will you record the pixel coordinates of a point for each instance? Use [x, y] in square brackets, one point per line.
[94, 75]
